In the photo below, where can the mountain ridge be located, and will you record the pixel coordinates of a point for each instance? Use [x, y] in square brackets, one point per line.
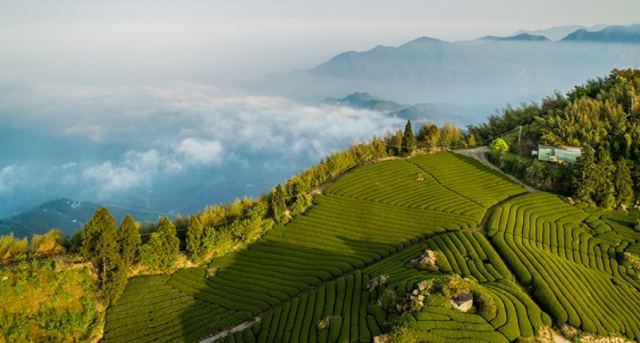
[65, 214]
[479, 74]
[437, 113]
[610, 34]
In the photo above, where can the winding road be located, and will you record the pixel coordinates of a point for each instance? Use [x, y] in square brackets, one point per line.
[480, 154]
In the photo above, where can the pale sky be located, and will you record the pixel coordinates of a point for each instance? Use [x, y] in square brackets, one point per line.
[256, 37]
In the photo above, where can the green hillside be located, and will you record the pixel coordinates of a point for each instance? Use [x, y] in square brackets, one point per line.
[573, 261]
[370, 222]
[541, 262]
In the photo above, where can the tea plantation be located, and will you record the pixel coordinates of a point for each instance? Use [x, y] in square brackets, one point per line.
[572, 260]
[310, 281]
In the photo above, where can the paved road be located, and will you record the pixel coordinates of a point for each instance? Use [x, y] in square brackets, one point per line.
[480, 154]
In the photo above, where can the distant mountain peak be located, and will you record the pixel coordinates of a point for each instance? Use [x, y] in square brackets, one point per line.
[364, 100]
[423, 40]
[558, 32]
[363, 96]
[610, 34]
[438, 113]
[525, 37]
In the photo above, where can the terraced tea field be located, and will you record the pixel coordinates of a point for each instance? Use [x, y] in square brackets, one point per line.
[572, 260]
[374, 221]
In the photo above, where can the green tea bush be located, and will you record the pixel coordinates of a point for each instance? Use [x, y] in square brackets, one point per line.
[569, 257]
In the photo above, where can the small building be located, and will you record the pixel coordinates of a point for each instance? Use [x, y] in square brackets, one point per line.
[557, 154]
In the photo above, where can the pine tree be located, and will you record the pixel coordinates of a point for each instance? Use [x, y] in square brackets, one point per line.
[100, 221]
[194, 238]
[111, 268]
[278, 205]
[623, 183]
[161, 251]
[107, 248]
[130, 240]
[408, 140]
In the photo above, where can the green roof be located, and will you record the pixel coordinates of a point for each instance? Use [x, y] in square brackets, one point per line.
[558, 154]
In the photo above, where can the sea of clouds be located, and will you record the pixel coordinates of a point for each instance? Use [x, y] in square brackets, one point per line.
[173, 148]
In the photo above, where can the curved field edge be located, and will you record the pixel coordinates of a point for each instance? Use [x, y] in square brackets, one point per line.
[341, 235]
[572, 260]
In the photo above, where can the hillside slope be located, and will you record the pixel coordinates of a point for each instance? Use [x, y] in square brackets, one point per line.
[310, 281]
[373, 218]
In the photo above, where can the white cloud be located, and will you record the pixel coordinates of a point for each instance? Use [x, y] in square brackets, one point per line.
[112, 177]
[140, 135]
[8, 177]
[136, 169]
[199, 151]
[95, 133]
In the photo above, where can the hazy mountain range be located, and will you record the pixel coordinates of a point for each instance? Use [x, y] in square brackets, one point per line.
[559, 32]
[610, 34]
[436, 113]
[489, 72]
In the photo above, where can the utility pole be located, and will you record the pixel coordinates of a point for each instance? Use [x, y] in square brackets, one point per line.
[519, 134]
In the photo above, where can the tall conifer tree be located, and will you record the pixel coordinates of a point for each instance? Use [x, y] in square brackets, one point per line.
[194, 237]
[100, 221]
[408, 140]
[130, 240]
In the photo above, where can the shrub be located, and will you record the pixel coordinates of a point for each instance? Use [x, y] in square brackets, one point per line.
[47, 244]
[499, 146]
[11, 247]
[40, 302]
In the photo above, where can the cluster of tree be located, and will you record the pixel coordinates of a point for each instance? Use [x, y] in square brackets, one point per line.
[42, 245]
[430, 137]
[111, 250]
[601, 181]
[220, 229]
[541, 175]
[601, 116]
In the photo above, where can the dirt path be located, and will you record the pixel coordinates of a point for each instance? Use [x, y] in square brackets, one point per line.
[225, 333]
[480, 154]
